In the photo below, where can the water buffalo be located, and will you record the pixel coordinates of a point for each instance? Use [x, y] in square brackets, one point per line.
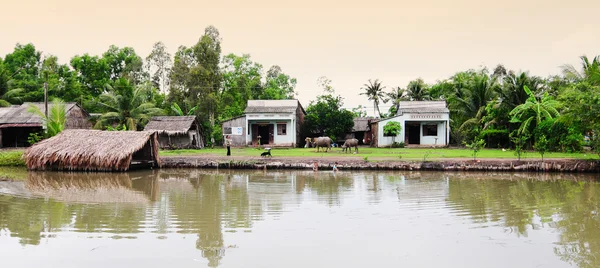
[322, 142]
[348, 144]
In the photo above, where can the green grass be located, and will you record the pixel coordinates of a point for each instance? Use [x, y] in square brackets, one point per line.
[12, 158]
[381, 153]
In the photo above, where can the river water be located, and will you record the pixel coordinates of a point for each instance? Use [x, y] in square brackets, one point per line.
[209, 218]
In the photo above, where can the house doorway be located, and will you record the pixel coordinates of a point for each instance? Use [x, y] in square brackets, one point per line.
[266, 133]
[413, 133]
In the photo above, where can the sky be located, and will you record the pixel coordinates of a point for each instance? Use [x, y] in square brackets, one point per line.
[348, 41]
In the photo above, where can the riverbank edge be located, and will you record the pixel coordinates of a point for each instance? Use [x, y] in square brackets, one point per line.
[508, 165]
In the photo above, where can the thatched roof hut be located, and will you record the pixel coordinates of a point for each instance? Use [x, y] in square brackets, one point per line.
[176, 131]
[94, 150]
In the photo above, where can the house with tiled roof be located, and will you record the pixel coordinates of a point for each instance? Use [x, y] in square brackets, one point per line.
[423, 123]
[268, 122]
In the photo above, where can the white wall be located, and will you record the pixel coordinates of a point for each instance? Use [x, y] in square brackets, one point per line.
[274, 119]
[442, 122]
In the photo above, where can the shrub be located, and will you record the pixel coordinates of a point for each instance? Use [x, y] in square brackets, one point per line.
[398, 145]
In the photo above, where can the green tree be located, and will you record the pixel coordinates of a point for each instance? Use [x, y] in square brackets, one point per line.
[590, 71]
[417, 90]
[541, 145]
[241, 82]
[374, 92]
[126, 105]
[325, 116]
[396, 96]
[92, 72]
[124, 63]
[534, 110]
[519, 140]
[56, 120]
[392, 128]
[278, 85]
[476, 145]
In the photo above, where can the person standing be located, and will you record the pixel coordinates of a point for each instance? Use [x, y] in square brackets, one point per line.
[228, 144]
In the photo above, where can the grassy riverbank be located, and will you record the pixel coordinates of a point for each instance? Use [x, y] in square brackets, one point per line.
[11, 158]
[382, 154]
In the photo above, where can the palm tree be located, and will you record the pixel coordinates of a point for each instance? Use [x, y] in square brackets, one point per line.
[417, 90]
[534, 109]
[590, 70]
[126, 105]
[57, 117]
[396, 96]
[374, 92]
[470, 100]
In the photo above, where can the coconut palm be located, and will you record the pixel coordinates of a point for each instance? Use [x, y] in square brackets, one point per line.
[57, 117]
[590, 70]
[417, 90]
[374, 92]
[126, 105]
[534, 109]
[471, 99]
[396, 96]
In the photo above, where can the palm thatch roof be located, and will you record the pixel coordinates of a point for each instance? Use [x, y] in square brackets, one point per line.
[93, 150]
[171, 125]
[84, 187]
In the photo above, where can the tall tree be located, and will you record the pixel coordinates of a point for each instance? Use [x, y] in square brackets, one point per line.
[278, 85]
[93, 73]
[374, 92]
[159, 64]
[23, 69]
[124, 63]
[241, 82]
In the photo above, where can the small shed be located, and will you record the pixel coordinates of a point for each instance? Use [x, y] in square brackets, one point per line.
[94, 150]
[176, 132]
[361, 130]
[235, 128]
[17, 123]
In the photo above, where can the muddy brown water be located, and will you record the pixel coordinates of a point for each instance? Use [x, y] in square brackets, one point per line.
[211, 218]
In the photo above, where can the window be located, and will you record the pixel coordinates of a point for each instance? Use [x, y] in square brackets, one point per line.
[430, 130]
[281, 129]
[226, 130]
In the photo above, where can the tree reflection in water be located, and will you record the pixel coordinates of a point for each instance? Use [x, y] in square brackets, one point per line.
[208, 204]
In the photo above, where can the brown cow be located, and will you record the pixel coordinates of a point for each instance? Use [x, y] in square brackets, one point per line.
[349, 143]
[322, 142]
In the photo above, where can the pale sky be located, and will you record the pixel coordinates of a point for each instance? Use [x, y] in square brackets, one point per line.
[348, 41]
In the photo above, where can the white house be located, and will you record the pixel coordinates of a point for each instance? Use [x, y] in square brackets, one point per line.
[423, 123]
[273, 122]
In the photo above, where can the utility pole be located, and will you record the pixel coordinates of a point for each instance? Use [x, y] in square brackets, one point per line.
[46, 95]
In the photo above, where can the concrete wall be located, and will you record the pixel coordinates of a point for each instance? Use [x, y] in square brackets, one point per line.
[442, 121]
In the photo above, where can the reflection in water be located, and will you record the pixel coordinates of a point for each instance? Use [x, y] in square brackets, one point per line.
[214, 205]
